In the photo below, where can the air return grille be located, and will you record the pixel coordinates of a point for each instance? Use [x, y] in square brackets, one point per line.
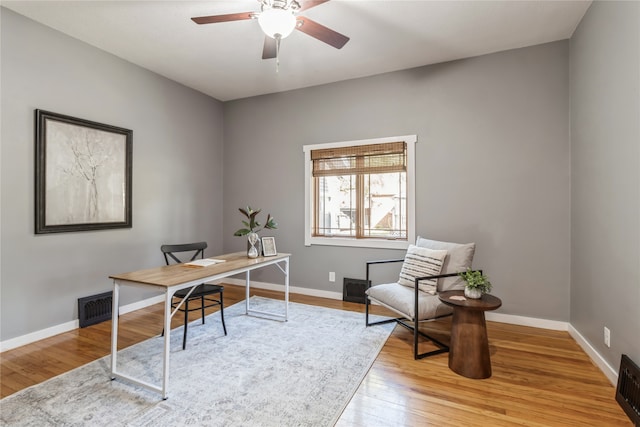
[94, 309]
[628, 391]
[353, 290]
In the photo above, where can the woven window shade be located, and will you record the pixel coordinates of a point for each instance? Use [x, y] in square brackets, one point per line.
[360, 159]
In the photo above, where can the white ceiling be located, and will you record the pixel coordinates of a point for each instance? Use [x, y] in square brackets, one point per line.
[224, 61]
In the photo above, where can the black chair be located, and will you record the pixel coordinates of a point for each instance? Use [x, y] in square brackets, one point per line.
[201, 292]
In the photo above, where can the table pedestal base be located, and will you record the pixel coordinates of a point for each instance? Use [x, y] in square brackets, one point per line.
[469, 353]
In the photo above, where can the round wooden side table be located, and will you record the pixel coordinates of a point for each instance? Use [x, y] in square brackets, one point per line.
[469, 349]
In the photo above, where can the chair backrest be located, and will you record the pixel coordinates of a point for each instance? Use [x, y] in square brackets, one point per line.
[170, 251]
[459, 258]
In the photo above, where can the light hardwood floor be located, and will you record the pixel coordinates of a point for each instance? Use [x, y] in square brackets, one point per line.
[540, 377]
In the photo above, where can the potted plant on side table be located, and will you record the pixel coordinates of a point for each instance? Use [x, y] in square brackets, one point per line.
[251, 229]
[476, 283]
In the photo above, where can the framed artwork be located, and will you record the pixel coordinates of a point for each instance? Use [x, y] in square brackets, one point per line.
[82, 174]
[269, 246]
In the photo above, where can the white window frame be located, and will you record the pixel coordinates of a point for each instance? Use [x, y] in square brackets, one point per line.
[309, 201]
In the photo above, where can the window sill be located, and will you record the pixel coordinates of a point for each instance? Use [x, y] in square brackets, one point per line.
[357, 243]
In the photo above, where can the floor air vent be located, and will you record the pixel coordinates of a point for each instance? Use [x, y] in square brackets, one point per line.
[94, 309]
[353, 290]
[628, 391]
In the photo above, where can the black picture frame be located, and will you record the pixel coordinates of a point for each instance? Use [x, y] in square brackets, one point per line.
[83, 174]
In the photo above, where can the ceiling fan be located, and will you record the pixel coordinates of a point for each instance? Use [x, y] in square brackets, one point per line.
[278, 18]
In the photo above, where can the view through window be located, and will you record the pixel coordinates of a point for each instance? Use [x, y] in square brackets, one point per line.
[360, 190]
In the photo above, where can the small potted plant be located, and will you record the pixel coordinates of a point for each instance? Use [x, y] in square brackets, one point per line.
[251, 229]
[477, 283]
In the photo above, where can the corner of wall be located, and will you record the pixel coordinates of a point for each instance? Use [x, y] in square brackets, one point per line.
[600, 362]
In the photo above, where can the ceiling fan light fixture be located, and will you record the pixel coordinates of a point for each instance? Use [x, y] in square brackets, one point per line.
[276, 21]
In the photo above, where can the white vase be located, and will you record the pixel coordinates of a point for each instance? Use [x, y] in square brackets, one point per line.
[472, 293]
[252, 238]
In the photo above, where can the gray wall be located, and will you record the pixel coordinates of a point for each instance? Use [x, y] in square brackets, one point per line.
[493, 166]
[605, 194]
[177, 171]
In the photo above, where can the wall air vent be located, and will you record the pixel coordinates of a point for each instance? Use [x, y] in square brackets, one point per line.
[353, 290]
[628, 390]
[94, 309]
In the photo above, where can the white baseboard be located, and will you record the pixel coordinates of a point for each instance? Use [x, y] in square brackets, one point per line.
[69, 326]
[292, 289]
[608, 371]
[141, 304]
[38, 335]
[492, 316]
[526, 321]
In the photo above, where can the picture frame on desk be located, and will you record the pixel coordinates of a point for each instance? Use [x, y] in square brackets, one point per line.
[269, 246]
[83, 174]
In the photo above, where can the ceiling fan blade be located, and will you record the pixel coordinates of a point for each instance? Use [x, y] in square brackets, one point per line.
[322, 33]
[213, 19]
[269, 50]
[304, 5]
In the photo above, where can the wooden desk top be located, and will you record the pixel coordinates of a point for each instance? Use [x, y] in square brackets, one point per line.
[175, 274]
[487, 302]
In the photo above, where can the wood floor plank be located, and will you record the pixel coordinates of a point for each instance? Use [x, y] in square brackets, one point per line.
[540, 377]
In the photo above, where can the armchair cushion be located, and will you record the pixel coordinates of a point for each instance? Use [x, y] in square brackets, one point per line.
[459, 257]
[401, 300]
[420, 262]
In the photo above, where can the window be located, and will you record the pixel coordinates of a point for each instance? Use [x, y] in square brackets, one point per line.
[360, 193]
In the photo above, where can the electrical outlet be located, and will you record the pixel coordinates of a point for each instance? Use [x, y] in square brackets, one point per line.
[607, 337]
[332, 276]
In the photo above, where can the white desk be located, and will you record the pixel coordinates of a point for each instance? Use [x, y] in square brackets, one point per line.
[172, 278]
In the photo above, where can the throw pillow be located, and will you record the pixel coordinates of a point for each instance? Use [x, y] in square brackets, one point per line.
[459, 258]
[420, 262]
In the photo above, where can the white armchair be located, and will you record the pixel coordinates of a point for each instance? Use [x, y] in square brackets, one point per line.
[429, 267]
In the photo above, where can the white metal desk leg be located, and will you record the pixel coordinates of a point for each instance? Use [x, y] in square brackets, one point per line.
[247, 292]
[114, 327]
[286, 289]
[167, 343]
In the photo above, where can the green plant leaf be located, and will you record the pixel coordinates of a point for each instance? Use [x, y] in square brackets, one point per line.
[242, 232]
[476, 280]
[271, 224]
[253, 225]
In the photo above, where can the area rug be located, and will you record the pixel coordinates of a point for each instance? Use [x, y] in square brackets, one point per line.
[263, 373]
